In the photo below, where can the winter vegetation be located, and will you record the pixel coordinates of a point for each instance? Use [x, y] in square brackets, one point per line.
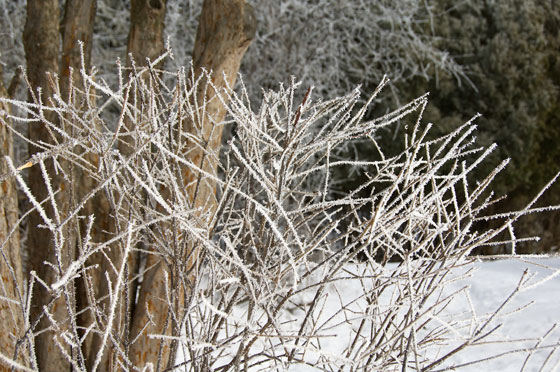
[135, 237]
[496, 58]
[508, 50]
[274, 239]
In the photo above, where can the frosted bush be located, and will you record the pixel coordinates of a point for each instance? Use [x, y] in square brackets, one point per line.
[278, 241]
[333, 45]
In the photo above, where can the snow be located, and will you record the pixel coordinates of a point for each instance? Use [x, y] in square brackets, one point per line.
[490, 285]
[531, 314]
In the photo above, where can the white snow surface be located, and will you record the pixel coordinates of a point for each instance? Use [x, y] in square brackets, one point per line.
[491, 283]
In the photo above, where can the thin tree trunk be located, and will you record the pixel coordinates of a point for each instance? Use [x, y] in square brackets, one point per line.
[225, 31]
[226, 28]
[11, 290]
[42, 47]
[145, 43]
[145, 39]
[76, 27]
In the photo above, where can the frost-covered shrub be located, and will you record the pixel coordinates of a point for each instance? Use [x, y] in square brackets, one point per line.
[350, 42]
[277, 241]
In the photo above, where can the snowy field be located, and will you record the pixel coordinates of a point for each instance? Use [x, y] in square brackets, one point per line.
[527, 320]
[490, 285]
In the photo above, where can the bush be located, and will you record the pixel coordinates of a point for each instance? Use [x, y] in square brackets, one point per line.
[276, 241]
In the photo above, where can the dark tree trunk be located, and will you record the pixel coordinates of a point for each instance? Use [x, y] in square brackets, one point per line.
[42, 50]
[76, 27]
[42, 41]
[145, 43]
[145, 39]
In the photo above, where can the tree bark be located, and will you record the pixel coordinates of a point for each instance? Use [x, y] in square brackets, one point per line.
[145, 44]
[145, 39]
[42, 48]
[225, 31]
[77, 26]
[12, 288]
[226, 28]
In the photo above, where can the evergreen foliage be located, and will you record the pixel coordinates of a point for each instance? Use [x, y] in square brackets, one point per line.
[509, 50]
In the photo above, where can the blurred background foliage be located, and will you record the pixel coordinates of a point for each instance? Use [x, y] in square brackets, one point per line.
[510, 51]
[497, 58]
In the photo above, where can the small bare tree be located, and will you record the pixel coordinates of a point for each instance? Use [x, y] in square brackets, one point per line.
[65, 49]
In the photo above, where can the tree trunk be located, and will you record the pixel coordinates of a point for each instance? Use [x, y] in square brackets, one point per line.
[225, 31]
[12, 290]
[226, 28]
[42, 47]
[145, 40]
[41, 43]
[77, 26]
[145, 43]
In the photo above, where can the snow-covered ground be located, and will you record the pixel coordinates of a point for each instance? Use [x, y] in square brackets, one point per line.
[490, 285]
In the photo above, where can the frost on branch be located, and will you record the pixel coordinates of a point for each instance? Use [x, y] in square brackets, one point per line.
[250, 282]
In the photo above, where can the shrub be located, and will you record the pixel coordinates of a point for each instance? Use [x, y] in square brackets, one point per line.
[278, 240]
